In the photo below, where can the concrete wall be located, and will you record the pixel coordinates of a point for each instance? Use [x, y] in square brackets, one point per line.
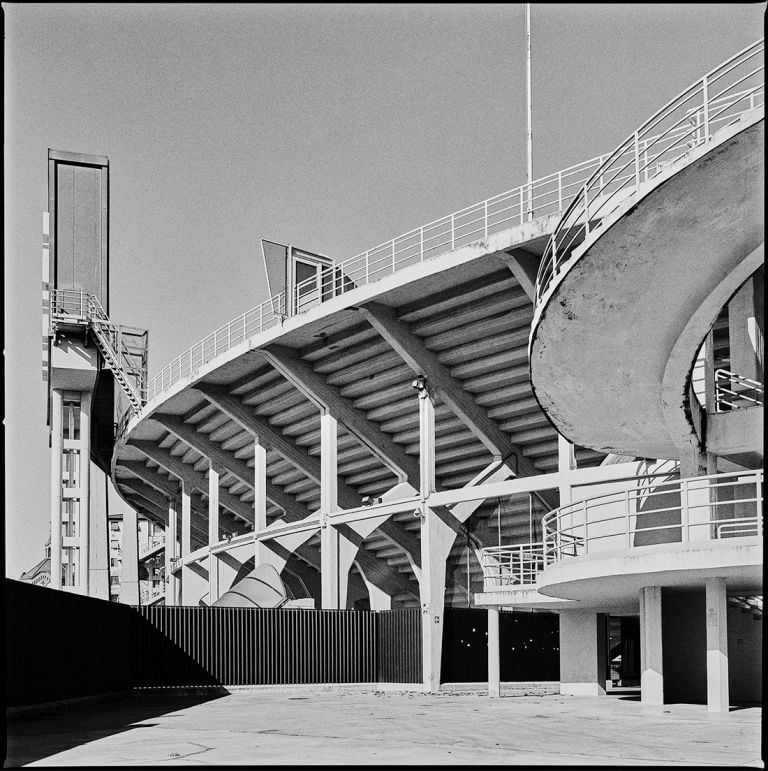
[685, 656]
[684, 641]
[745, 652]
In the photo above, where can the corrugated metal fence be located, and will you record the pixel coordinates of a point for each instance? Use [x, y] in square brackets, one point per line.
[188, 646]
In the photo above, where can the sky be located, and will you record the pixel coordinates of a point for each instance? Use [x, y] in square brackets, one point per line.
[334, 127]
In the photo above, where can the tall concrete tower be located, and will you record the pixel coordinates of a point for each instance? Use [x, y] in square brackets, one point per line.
[84, 354]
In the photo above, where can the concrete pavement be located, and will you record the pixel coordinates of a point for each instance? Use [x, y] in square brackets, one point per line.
[306, 725]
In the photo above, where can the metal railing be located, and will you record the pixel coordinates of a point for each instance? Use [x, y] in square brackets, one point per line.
[696, 509]
[512, 565]
[688, 121]
[547, 195]
[733, 391]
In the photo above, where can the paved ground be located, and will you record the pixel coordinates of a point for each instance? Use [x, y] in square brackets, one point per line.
[314, 726]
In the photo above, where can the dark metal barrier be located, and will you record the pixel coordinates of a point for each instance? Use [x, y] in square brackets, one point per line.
[528, 646]
[62, 646]
[185, 646]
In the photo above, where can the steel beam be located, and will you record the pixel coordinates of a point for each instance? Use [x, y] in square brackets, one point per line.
[450, 390]
[228, 462]
[174, 465]
[314, 387]
[524, 266]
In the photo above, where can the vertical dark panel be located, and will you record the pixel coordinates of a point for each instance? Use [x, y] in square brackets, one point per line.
[79, 220]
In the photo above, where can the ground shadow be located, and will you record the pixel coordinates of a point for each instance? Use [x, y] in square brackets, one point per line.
[33, 738]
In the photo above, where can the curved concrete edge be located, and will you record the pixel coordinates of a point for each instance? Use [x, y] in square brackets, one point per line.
[679, 369]
[628, 201]
[524, 597]
[616, 577]
[687, 342]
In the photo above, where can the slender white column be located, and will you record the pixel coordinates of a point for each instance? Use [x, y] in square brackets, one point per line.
[494, 659]
[436, 541]
[129, 572]
[652, 668]
[171, 553]
[186, 541]
[213, 533]
[259, 489]
[57, 447]
[717, 645]
[84, 523]
[98, 543]
[332, 570]
[328, 463]
[426, 439]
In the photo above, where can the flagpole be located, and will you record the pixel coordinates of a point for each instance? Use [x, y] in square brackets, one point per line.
[529, 133]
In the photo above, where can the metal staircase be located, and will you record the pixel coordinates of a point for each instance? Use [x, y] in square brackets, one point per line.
[107, 338]
[127, 362]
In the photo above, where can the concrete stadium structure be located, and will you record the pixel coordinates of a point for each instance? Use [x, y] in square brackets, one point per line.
[427, 423]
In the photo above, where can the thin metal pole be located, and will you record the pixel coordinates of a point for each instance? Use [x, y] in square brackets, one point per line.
[529, 133]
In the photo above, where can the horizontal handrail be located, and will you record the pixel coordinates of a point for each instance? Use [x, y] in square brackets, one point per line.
[667, 511]
[653, 510]
[687, 121]
[517, 565]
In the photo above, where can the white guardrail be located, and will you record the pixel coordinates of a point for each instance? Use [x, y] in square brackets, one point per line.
[652, 511]
[688, 121]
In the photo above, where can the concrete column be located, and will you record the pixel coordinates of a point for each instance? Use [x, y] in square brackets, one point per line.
[186, 541]
[84, 523]
[494, 658]
[651, 648]
[213, 533]
[337, 551]
[98, 579]
[426, 439]
[693, 460]
[171, 553]
[57, 448]
[259, 497]
[436, 541]
[328, 463]
[566, 462]
[129, 573]
[583, 653]
[717, 645]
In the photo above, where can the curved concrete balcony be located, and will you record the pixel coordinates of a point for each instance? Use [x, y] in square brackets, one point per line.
[601, 551]
[619, 318]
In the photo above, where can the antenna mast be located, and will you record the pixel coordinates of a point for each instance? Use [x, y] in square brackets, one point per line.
[529, 133]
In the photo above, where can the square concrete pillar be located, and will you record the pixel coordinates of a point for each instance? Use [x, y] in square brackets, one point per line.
[213, 533]
[57, 446]
[494, 659]
[651, 647]
[583, 653]
[129, 572]
[717, 645]
[171, 554]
